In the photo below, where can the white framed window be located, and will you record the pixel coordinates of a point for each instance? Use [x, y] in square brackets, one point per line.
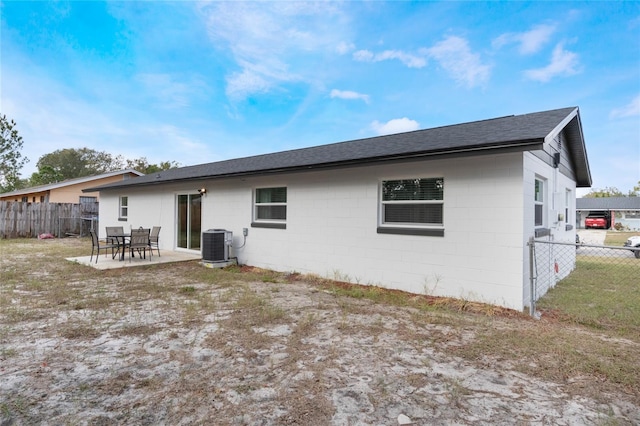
[270, 207]
[539, 202]
[123, 207]
[412, 206]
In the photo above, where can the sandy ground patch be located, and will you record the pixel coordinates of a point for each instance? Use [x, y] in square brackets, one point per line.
[168, 349]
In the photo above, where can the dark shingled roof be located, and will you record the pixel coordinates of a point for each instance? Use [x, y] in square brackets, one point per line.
[608, 203]
[522, 132]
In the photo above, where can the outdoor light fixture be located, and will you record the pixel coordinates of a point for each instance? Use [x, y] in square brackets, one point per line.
[202, 191]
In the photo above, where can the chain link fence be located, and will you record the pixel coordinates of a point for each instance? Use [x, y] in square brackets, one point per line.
[551, 261]
[76, 226]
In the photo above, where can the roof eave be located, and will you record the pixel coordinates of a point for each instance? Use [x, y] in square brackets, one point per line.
[512, 146]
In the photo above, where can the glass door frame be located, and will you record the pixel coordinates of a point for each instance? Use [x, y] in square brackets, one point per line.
[186, 218]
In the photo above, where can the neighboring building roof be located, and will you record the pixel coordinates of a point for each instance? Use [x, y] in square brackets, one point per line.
[526, 132]
[608, 203]
[69, 182]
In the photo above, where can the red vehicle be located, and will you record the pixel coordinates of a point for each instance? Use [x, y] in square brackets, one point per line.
[598, 219]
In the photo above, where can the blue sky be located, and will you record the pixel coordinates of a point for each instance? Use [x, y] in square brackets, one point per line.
[196, 82]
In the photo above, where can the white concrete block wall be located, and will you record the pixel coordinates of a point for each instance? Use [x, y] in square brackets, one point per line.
[556, 182]
[332, 220]
[148, 207]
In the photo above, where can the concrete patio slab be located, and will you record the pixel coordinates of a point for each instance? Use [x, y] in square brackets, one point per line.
[106, 262]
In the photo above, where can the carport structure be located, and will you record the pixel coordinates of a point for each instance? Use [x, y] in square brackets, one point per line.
[625, 211]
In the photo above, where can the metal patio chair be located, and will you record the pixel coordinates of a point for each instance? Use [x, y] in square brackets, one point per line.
[153, 239]
[115, 235]
[97, 245]
[139, 241]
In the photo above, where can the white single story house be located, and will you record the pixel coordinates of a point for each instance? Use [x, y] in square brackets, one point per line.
[625, 211]
[446, 211]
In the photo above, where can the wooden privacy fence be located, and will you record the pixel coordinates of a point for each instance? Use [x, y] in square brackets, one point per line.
[27, 220]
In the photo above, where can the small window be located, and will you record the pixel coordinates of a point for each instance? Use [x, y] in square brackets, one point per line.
[123, 207]
[25, 199]
[539, 203]
[270, 207]
[567, 203]
[416, 203]
[88, 200]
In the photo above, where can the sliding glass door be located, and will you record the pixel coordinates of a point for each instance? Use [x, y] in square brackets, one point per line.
[189, 227]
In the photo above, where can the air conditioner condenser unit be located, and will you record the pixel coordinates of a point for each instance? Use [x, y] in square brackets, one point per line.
[215, 245]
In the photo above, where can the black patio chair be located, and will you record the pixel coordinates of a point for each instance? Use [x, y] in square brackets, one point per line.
[97, 245]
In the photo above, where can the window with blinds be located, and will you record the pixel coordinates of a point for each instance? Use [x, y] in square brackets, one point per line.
[270, 204]
[412, 202]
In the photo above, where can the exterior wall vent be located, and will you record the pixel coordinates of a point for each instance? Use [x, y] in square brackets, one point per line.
[215, 245]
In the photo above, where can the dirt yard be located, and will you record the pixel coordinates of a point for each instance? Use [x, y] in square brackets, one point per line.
[181, 344]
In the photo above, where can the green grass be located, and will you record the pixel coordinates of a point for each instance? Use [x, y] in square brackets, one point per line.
[600, 295]
[558, 354]
[587, 322]
[618, 238]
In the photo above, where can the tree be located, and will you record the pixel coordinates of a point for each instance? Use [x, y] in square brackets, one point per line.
[72, 163]
[11, 159]
[635, 192]
[45, 175]
[603, 193]
[142, 165]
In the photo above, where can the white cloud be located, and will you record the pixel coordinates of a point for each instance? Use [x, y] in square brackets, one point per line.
[245, 82]
[397, 125]
[363, 56]
[348, 94]
[454, 56]
[63, 117]
[530, 41]
[343, 47]
[563, 63]
[170, 91]
[632, 109]
[410, 60]
[271, 41]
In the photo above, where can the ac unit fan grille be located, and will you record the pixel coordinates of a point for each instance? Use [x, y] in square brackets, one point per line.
[214, 247]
